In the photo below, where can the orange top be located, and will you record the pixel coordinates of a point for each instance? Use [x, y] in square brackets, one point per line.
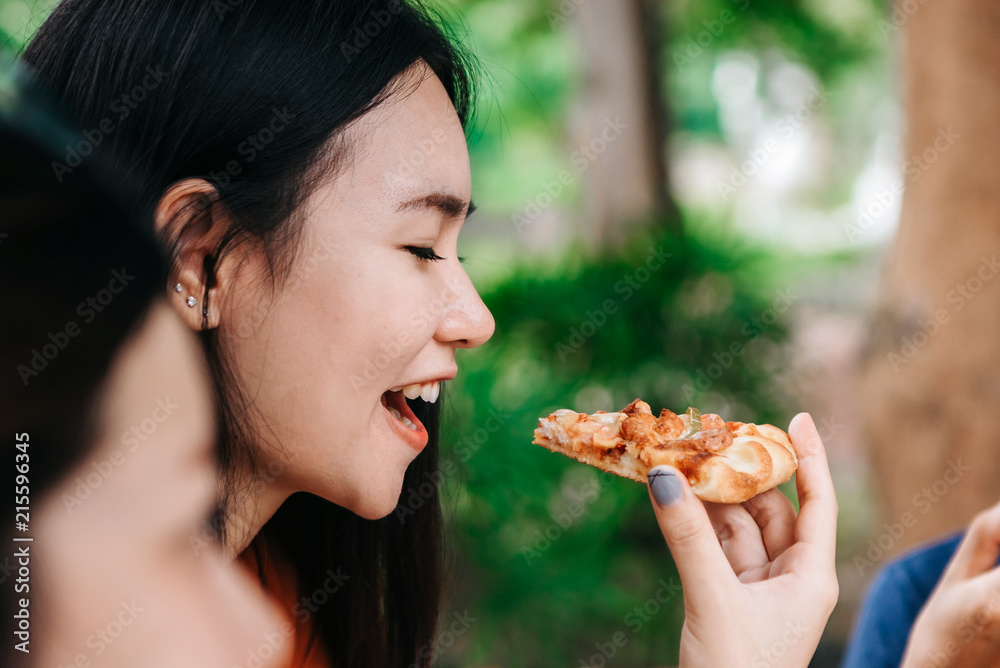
[279, 581]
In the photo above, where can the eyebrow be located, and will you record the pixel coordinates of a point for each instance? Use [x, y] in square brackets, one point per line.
[449, 205]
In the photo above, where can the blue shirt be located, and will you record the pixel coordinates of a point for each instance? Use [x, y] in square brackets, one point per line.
[894, 599]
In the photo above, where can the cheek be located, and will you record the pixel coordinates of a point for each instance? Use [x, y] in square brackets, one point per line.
[400, 330]
[377, 327]
[321, 353]
[424, 308]
[337, 337]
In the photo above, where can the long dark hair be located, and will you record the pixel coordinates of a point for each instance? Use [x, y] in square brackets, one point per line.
[172, 89]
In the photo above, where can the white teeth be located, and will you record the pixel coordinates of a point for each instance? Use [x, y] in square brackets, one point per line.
[396, 389]
[429, 392]
[405, 420]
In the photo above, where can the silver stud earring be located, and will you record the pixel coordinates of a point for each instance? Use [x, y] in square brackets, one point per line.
[191, 301]
[179, 288]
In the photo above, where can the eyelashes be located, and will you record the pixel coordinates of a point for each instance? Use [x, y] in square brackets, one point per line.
[427, 254]
[424, 253]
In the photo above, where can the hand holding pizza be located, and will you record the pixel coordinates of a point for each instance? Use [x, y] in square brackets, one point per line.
[960, 623]
[759, 582]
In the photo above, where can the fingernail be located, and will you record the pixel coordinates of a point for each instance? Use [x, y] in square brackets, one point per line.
[666, 487]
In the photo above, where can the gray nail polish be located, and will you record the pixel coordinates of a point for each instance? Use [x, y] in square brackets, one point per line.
[666, 487]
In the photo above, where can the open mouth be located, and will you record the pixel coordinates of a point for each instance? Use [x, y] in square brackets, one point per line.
[406, 422]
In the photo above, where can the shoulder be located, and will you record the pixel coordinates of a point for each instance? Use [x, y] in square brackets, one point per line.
[268, 564]
[912, 576]
[893, 602]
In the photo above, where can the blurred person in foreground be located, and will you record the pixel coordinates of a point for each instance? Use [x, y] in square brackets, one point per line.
[107, 422]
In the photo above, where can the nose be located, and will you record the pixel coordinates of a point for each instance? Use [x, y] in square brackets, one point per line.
[465, 321]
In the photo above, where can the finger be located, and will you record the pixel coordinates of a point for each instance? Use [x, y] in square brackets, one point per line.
[774, 514]
[817, 521]
[986, 588]
[978, 551]
[739, 536]
[703, 567]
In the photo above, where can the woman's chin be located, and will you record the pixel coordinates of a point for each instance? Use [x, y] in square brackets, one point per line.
[376, 503]
[374, 515]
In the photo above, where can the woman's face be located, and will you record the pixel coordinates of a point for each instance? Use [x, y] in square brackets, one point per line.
[375, 307]
[125, 575]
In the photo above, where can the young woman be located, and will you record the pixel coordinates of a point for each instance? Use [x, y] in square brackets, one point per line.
[305, 162]
[108, 425]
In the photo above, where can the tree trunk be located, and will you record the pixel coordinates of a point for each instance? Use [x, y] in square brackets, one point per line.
[619, 129]
[931, 375]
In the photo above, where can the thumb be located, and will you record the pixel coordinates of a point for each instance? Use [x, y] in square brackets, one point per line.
[700, 561]
[978, 551]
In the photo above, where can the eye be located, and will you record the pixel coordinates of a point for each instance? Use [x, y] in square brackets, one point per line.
[424, 253]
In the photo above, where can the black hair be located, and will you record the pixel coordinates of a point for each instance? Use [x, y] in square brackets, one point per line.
[61, 244]
[254, 96]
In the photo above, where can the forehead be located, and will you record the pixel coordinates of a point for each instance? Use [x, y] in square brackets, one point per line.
[412, 142]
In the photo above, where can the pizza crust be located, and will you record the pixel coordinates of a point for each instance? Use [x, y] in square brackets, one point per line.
[725, 462]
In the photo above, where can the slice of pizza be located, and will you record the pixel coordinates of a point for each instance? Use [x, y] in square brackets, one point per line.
[725, 462]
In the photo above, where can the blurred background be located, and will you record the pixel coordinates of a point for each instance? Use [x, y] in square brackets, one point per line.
[702, 203]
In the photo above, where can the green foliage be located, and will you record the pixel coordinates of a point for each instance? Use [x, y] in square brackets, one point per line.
[827, 37]
[554, 555]
[535, 69]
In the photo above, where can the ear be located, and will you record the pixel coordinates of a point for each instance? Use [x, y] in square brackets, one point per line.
[192, 224]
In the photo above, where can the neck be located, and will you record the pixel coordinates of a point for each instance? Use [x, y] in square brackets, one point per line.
[248, 510]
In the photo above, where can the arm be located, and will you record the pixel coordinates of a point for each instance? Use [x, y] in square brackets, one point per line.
[760, 585]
